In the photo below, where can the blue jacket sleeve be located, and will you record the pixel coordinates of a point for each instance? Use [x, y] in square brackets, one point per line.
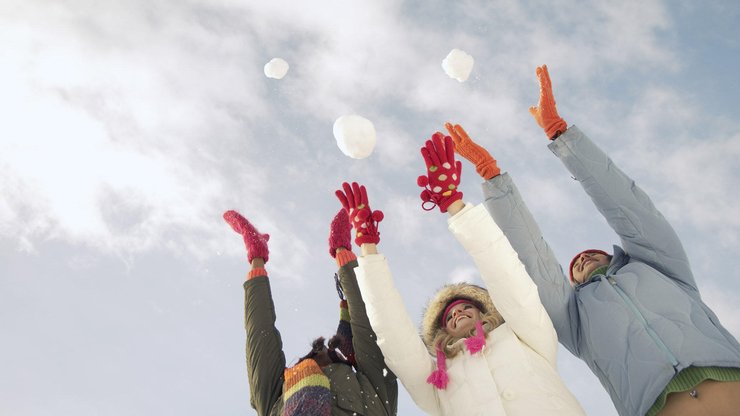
[645, 234]
[505, 205]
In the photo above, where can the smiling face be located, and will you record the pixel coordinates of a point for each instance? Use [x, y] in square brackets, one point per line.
[585, 263]
[460, 319]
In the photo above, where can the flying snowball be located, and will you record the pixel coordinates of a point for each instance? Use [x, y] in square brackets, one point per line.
[355, 136]
[458, 65]
[276, 68]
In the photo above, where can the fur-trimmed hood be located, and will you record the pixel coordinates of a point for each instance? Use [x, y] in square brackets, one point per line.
[430, 325]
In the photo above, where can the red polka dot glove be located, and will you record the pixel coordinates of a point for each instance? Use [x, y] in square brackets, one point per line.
[443, 173]
[364, 220]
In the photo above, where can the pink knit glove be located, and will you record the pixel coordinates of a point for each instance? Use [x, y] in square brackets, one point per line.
[364, 220]
[340, 233]
[256, 243]
[443, 173]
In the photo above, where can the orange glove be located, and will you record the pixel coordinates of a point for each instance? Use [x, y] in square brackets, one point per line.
[484, 163]
[545, 113]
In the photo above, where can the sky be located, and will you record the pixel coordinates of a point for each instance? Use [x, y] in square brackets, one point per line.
[128, 128]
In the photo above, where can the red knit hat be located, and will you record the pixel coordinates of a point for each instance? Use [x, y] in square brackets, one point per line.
[572, 262]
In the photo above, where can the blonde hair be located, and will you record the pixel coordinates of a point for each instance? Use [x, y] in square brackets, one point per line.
[491, 320]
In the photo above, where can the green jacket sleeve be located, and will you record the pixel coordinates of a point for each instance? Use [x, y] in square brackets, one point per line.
[265, 357]
[370, 360]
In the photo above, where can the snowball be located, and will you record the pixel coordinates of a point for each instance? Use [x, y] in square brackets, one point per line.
[276, 68]
[355, 136]
[458, 65]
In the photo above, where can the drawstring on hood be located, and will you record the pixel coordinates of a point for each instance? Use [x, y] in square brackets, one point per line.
[439, 377]
[477, 341]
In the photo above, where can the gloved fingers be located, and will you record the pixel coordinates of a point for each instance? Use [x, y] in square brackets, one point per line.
[232, 218]
[535, 112]
[350, 195]
[462, 133]
[449, 149]
[546, 78]
[450, 129]
[422, 181]
[439, 149]
[342, 199]
[545, 85]
[455, 137]
[431, 166]
[363, 196]
[458, 170]
[238, 223]
[542, 76]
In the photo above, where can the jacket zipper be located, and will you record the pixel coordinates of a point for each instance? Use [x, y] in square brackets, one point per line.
[653, 335]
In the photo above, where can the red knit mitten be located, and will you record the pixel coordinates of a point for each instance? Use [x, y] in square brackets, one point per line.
[340, 233]
[443, 173]
[364, 220]
[255, 242]
[546, 114]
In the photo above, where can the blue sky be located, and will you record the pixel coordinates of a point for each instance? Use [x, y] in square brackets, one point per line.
[128, 128]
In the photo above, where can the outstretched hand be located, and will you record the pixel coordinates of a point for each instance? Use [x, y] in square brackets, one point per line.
[365, 221]
[443, 173]
[484, 163]
[545, 113]
[340, 233]
[255, 241]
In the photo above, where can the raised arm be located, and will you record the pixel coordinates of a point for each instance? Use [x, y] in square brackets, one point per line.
[511, 289]
[404, 352]
[645, 234]
[507, 208]
[397, 336]
[264, 347]
[365, 353]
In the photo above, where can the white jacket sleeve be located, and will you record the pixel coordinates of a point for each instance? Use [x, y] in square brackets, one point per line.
[511, 289]
[405, 353]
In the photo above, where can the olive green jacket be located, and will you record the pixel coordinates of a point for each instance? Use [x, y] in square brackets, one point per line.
[369, 391]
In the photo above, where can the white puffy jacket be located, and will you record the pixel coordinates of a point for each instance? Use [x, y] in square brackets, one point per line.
[516, 372]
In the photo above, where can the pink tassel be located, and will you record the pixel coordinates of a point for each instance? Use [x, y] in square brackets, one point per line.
[439, 377]
[477, 341]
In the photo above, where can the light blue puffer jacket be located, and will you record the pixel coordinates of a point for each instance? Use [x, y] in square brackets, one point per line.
[644, 321]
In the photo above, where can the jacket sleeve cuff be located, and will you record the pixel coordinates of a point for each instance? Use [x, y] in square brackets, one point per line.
[256, 272]
[344, 256]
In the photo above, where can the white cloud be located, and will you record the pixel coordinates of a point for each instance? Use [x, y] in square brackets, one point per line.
[463, 274]
[724, 304]
[131, 126]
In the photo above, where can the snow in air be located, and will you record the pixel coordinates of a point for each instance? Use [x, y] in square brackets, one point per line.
[276, 68]
[355, 136]
[458, 65]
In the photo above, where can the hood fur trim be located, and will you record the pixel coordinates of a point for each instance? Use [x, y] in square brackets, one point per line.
[430, 324]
